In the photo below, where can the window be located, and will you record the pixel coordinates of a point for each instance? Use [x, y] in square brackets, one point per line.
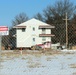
[23, 29]
[43, 38]
[43, 31]
[33, 39]
[33, 28]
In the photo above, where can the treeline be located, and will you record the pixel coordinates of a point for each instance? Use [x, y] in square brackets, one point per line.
[53, 15]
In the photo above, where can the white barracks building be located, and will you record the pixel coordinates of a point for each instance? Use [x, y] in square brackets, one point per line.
[32, 32]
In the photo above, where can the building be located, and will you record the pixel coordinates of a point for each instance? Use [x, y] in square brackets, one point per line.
[32, 32]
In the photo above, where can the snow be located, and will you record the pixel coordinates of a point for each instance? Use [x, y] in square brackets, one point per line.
[28, 64]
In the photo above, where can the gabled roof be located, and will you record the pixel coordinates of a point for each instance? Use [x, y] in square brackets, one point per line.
[32, 22]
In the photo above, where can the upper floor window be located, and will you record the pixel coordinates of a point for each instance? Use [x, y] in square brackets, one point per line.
[43, 31]
[23, 29]
[33, 39]
[33, 28]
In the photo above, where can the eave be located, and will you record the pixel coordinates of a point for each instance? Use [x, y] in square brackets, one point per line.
[45, 26]
[46, 35]
[19, 27]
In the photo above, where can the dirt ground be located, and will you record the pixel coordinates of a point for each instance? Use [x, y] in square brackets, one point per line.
[18, 52]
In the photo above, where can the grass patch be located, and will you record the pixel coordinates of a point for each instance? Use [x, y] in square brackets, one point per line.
[72, 65]
[48, 58]
[70, 53]
[1, 66]
[74, 73]
[1, 60]
[34, 65]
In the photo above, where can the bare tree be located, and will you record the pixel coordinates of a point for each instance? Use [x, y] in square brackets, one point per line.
[58, 10]
[39, 17]
[72, 30]
[22, 17]
[55, 15]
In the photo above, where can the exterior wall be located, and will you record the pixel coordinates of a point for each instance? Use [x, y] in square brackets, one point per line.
[48, 31]
[23, 38]
[26, 39]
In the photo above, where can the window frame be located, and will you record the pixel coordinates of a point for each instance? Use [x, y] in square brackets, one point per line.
[34, 40]
[43, 31]
[23, 29]
[33, 28]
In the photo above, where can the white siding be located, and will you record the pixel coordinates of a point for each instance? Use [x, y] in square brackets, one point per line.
[48, 31]
[25, 39]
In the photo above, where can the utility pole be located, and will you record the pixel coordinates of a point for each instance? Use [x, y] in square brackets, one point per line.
[66, 19]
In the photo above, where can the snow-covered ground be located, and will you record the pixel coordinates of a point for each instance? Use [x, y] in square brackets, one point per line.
[39, 64]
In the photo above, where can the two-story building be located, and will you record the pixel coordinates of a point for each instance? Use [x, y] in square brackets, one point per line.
[32, 32]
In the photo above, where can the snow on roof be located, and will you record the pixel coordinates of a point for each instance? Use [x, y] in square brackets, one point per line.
[33, 22]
